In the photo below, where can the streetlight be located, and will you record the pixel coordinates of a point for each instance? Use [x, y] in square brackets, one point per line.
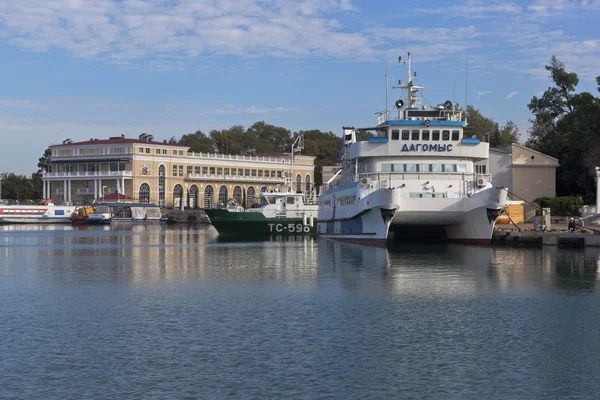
[597, 190]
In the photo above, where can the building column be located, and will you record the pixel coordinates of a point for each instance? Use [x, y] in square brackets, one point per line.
[95, 189]
[100, 188]
[44, 189]
[123, 186]
[64, 196]
[70, 189]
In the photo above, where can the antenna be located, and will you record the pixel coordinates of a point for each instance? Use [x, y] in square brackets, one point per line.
[386, 69]
[466, 84]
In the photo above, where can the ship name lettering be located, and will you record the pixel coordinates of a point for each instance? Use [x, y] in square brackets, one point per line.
[427, 147]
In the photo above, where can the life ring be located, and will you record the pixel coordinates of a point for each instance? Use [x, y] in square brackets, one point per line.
[427, 122]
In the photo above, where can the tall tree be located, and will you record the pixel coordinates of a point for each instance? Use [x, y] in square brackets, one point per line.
[44, 162]
[566, 125]
[229, 141]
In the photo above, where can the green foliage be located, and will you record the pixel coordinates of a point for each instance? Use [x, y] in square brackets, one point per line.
[17, 187]
[565, 206]
[44, 161]
[198, 142]
[487, 129]
[566, 125]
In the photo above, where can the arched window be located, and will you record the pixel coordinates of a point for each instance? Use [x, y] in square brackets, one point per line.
[250, 197]
[209, 197]
[307, 180]
[194, 196]
[298, 183]
[264, 189]
[177, 195]
[223, 195]
[162, 173]
[237, 195]
[144, 193]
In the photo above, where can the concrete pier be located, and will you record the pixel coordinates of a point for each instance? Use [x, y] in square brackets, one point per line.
[560, 239]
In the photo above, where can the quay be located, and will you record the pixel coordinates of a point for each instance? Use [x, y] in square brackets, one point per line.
[559, 236]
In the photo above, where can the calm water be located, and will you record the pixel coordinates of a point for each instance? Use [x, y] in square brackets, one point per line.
[159, 312]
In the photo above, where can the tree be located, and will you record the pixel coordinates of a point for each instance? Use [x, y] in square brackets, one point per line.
[16, 187]
[198, 142]
[566, 125]
[229, 141]
[266, 138]
[325, 146]
[44, 161]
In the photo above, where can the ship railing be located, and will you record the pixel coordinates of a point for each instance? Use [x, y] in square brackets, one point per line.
[415, 115]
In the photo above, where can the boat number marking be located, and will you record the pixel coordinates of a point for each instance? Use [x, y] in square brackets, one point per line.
[290, 228]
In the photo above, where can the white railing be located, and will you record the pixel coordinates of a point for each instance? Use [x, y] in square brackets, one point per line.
[87, 174]
[223, 177]
[234, 157]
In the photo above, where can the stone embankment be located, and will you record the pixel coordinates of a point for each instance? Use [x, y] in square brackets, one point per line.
[524, 234]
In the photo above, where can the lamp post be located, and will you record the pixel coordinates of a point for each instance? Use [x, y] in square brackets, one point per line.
[597, 190]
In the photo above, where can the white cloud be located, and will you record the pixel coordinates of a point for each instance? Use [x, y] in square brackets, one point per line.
[131, 31]
[511, 95]
[476, 9]
[483, 93]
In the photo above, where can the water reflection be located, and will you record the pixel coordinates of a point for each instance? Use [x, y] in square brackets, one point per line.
[449, 270]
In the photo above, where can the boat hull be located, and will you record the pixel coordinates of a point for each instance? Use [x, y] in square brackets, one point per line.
[468, 220]
[252, 223]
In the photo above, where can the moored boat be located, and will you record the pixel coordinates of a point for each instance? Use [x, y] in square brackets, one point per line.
[419, 174]
[81, 216]
[280, 212]
[44, 213]
[107, 213]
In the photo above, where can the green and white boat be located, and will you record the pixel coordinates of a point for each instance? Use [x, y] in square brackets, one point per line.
[280, 214]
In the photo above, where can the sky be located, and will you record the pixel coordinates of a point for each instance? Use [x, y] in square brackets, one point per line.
[83, 69]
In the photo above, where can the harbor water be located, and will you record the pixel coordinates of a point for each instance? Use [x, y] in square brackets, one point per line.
[157, 312]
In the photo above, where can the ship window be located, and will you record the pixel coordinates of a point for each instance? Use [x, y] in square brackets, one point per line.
[290, 200]
[427, 195]
[455, 135]
[435, 135]
[414, 195]
[445, 135]
[395, 134]
[415, 135]
[398, 167]
[424, 167]
[436, 167]
[405, 135]
[386, 167]
[461, 168]
[449, 167]
[425, 135]
[411, 167]
[268, 200]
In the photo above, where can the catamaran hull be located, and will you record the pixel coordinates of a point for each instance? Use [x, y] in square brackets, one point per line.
[256, 224]
[39, 220]
[469, 220]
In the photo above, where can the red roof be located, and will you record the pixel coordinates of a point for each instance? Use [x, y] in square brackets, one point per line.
[119, 140]
[116, 196]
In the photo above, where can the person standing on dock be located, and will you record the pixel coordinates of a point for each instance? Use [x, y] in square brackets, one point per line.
[571, 226]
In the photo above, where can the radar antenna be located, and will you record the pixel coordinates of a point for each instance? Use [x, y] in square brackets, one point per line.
[412, 90]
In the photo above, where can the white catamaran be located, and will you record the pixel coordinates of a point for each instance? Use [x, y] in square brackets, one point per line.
[415, 176]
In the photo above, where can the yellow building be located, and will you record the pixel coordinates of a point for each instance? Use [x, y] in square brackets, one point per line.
[166, 174]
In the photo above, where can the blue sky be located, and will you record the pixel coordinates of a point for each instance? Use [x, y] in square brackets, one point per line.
[97, 68]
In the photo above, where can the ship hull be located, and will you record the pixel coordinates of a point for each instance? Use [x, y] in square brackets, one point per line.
[468, 220]
[253, 224]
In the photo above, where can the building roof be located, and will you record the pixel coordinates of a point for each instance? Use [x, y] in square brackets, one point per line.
[116, 140]
[508, 148]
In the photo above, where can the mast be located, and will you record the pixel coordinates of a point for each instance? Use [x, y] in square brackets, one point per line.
[412, 90]
[386, 71]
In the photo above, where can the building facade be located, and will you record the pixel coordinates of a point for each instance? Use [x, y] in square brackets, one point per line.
[528, 174]
[167, 174]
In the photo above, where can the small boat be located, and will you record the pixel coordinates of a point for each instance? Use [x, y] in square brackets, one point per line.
[81, 216]
[107, 213]
[44, 213]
